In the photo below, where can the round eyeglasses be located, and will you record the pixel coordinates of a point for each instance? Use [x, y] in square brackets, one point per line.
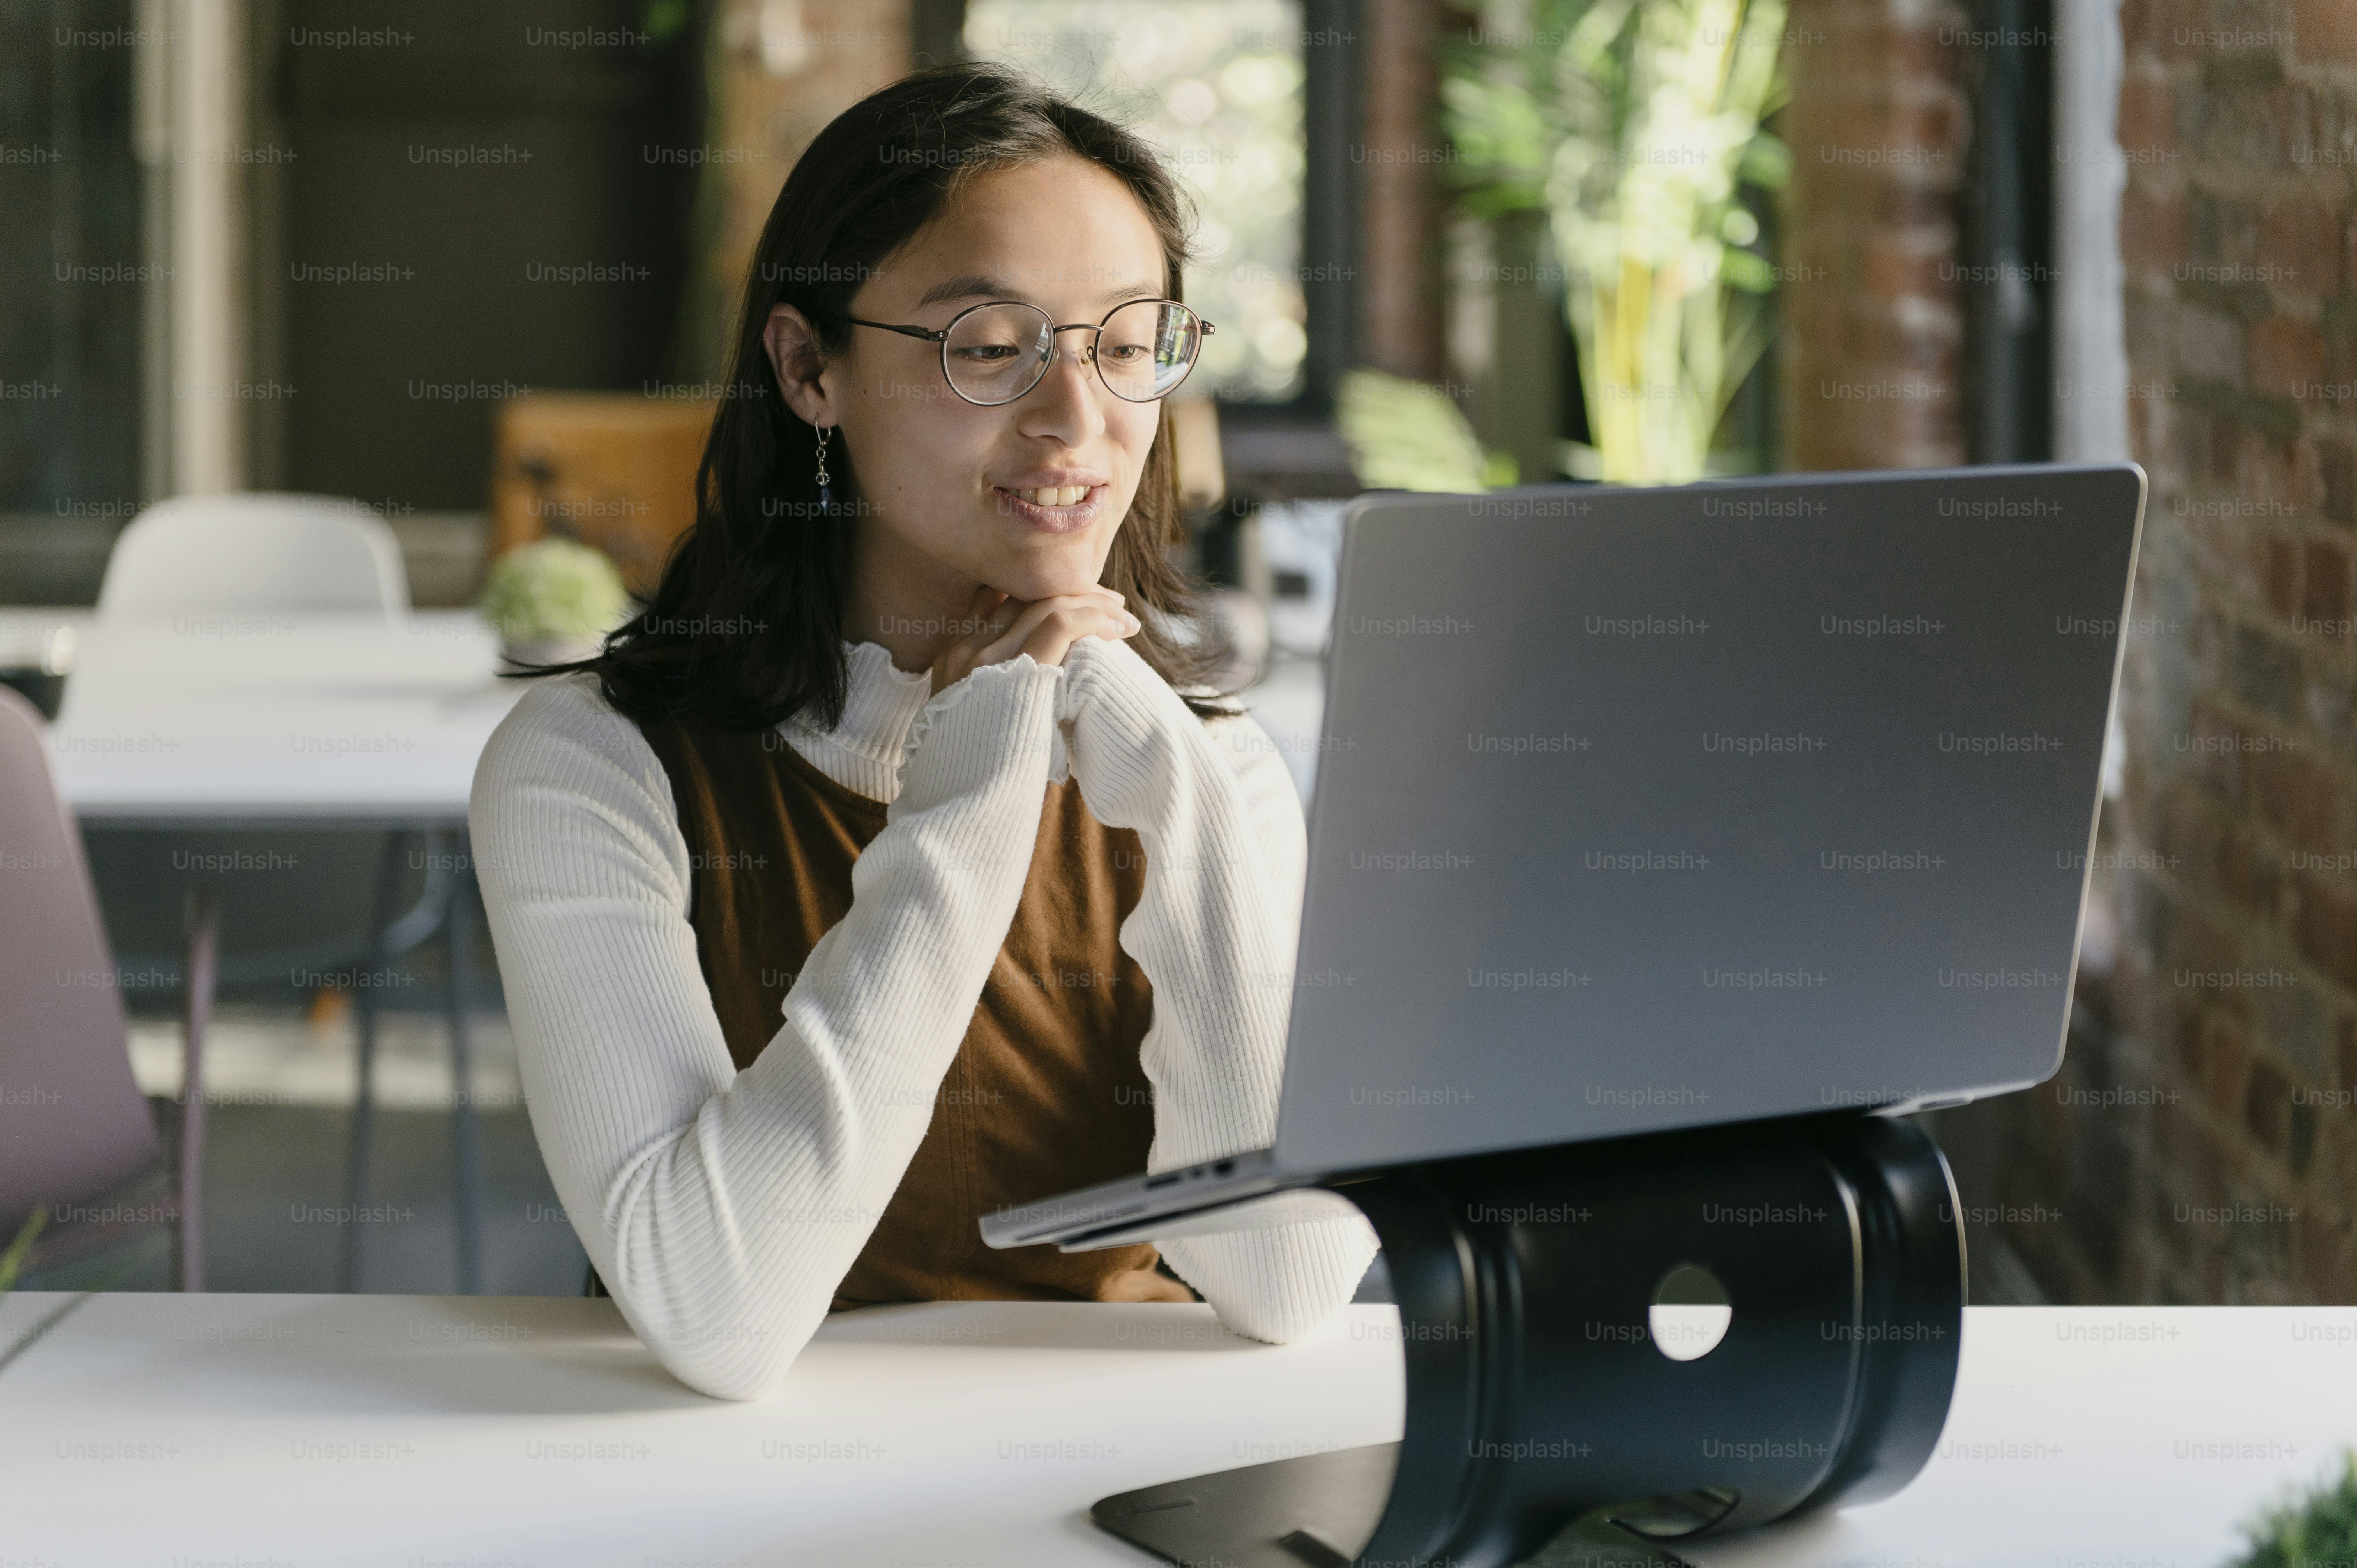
[995, 353]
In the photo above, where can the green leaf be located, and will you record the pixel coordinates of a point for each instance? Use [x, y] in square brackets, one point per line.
[12, 1262]
[2317, 1527]
[663, 19]
[1766, 162]
[1746, 270]
[1405, 435]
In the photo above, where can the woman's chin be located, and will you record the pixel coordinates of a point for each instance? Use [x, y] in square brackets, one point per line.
[1045, 575]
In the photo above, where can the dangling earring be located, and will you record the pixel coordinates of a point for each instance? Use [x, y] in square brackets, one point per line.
[825, 490]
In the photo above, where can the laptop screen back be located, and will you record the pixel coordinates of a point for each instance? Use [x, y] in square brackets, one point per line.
[1649, 809]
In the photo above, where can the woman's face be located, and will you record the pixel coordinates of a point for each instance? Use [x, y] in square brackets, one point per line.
[952, 488]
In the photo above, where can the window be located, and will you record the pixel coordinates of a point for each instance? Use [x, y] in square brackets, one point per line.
[1216, 86]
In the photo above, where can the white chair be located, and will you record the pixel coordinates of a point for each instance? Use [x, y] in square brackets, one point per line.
[254, 552]
[75, 1134]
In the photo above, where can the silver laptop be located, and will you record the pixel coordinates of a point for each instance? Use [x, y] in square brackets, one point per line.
[1649, 809]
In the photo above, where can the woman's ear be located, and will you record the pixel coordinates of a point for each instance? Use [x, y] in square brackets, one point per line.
[796, 357]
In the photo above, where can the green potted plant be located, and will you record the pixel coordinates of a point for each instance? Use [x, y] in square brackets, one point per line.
[553, 601]
[1633, 125]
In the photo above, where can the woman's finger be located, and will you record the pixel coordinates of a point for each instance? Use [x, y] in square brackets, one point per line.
[1053, 638]
[987, 614]
[1075, 615]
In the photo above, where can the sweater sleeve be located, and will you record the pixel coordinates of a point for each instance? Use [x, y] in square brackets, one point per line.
[723, 1208]
[1215, 929]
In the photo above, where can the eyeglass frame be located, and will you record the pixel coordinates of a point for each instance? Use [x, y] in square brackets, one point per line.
[941, 337]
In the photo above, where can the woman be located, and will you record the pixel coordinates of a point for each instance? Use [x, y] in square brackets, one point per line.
[878, 875]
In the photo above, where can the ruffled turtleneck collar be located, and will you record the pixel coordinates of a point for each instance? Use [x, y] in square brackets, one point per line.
[863, 752]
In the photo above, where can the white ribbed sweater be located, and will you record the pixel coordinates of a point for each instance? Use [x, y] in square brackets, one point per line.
[722, 1208]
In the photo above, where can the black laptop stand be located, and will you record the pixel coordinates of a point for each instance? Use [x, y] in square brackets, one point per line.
[1539, 1407]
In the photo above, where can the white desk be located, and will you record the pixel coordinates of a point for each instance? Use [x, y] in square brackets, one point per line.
[534, 1433]
[269, 720]
[264, 719]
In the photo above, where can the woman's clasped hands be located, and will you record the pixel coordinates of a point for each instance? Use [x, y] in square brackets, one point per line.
[1045, 628]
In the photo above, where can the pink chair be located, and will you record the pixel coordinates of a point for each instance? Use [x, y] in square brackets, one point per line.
[75, 1131]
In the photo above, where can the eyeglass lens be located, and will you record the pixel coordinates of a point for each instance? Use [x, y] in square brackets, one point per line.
[999, 352]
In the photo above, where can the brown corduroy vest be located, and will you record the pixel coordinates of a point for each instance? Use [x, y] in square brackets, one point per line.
[1045, 1094]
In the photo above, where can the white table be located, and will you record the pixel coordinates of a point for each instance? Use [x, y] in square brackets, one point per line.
[537, 1433]
[273, 720]
[268, 719]
[259, 718]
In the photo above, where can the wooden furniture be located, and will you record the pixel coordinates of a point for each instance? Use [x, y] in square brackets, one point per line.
[612, 469]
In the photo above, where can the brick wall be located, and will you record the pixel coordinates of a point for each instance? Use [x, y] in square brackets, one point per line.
[781, 77]
[2199, 1144]
[1403, 204]
[1871, 353]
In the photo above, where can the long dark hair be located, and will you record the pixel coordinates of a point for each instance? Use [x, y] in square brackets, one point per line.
[746, 625]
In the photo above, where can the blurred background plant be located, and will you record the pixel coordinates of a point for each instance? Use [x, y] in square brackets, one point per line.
[20, 1247]
[1406, 435]
[552, 600]
[1634, 127]
[2308, 1531]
